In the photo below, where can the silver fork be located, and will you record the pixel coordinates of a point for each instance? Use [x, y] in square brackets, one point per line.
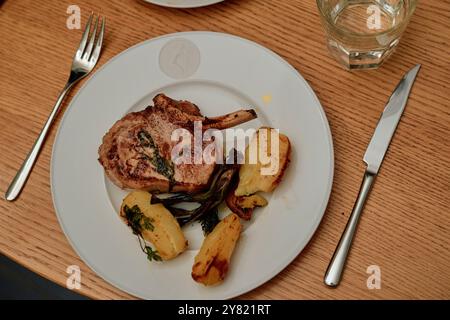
[84, 61]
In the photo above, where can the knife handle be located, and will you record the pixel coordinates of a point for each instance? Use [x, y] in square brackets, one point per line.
[337, 263]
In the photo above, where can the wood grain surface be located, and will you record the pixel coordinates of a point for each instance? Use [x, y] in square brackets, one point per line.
[405, 227]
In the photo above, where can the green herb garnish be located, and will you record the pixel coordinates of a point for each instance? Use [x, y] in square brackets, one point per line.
[152, 255]
[147, 223]
[136, 219]
[137, 222]
[162, 165]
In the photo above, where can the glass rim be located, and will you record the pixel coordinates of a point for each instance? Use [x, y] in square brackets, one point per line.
[361, 35]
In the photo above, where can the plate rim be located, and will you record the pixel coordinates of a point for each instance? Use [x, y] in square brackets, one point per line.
[181, 6]
[288, 259]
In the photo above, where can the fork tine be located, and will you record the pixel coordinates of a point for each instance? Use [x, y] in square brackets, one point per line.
[98, 45]
[90, 45]
[84, 38]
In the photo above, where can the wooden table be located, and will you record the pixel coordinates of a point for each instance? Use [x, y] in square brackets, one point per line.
[406, 225]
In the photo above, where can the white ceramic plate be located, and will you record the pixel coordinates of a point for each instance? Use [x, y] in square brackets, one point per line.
[183, 3]
[220, 73]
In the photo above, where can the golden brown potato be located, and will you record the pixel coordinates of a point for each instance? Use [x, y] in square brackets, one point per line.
[252, 178]
[243, 206]
[251, 202]
[157, 224]
[212, 262]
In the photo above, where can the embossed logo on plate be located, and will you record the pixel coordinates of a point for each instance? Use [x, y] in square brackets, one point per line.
[179, 58]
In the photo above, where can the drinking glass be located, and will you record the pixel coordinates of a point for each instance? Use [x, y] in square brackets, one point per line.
[361, 34]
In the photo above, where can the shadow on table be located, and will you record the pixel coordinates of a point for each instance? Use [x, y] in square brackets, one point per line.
[17, 282]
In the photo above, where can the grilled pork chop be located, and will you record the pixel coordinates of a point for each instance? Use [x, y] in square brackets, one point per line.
[136, 151]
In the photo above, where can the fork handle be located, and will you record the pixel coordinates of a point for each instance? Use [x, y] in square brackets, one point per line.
[22, 175]
[337, 263]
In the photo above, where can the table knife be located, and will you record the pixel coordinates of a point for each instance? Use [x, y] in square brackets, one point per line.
[373, 158]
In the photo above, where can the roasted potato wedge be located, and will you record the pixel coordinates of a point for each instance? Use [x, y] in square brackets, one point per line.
[158, 226]
[212, 262]
[253, 177]
[251, 202]
[243, 206]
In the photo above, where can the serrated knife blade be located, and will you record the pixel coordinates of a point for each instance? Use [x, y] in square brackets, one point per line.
[373, 158]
